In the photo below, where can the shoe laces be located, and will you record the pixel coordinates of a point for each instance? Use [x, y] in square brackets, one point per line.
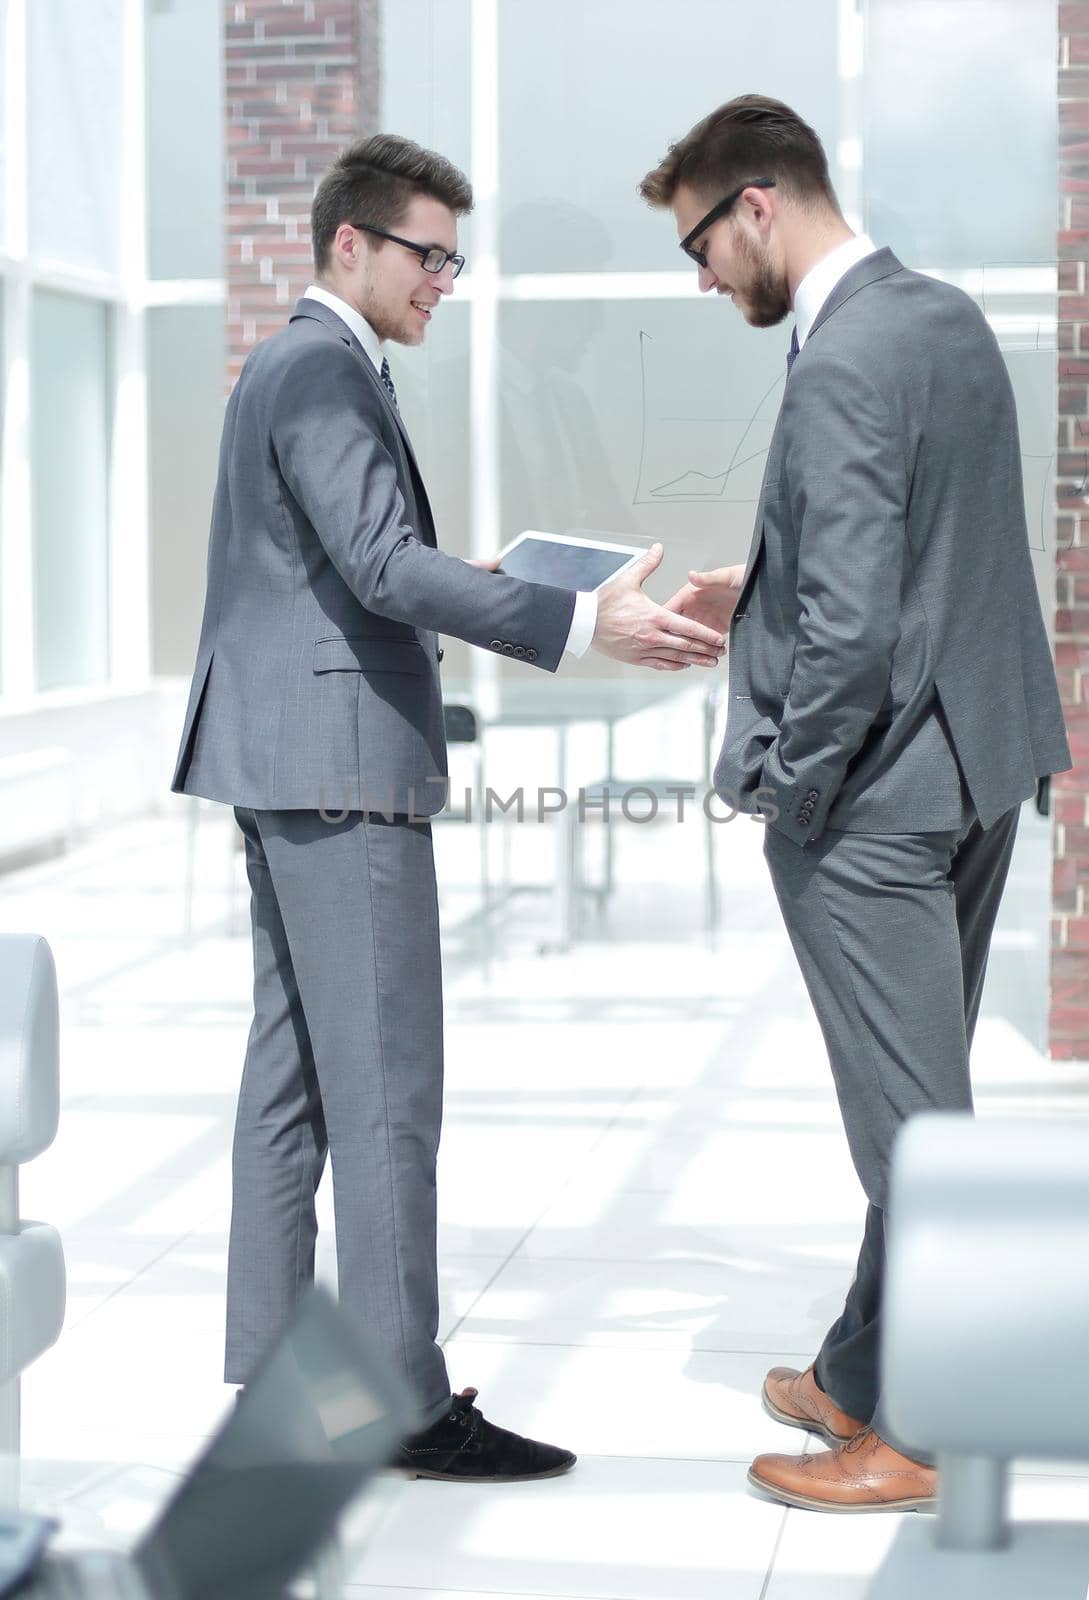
[859, 1439]
[462, 1410]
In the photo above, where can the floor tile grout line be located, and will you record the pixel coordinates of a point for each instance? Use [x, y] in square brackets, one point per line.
[774, 1555]
[570, 1178]
[628, 1348]
[142, 1271]
[699, 1461]
[429, 1589]
[612, 1349]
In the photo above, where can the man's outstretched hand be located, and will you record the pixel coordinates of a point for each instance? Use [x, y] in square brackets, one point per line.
[632, 627]
[710, 597]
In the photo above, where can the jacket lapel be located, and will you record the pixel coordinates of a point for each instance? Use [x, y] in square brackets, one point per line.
[320, 313]
[758, 529]
[882, 264]
[871, 269]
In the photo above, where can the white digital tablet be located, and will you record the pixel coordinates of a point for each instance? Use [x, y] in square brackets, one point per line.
[565, 560]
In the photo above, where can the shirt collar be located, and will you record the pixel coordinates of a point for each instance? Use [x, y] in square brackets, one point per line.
[351, 320]
[820, 280]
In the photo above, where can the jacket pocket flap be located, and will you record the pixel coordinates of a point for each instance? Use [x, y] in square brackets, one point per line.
[369, 655]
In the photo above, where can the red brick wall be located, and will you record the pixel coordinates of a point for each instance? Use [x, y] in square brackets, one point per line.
[1069, 1028]
[301, 83]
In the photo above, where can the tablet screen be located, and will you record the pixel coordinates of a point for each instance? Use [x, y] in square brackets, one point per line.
[565, 566]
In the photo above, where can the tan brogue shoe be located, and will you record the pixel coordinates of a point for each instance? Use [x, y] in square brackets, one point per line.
[794, 1398]
[866, 1474]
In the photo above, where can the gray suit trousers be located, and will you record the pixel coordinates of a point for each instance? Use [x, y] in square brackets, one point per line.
[344, 1058]
[892, 933]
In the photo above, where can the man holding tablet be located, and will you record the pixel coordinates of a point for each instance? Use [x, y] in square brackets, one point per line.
[567, 561]
[316, 712]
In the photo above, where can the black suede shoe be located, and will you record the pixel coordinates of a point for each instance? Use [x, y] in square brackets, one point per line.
[463, 1448]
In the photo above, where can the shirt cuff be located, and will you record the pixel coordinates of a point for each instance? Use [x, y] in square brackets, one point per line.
[583, 623]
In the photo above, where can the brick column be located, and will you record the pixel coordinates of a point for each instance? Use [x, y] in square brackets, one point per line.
[301, 83]
[1069, 1022]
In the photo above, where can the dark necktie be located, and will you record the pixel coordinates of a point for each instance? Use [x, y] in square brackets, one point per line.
[792, 353]
[387, 383]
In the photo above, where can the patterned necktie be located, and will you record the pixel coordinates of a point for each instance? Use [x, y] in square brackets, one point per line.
[792, 353]
[387, 383]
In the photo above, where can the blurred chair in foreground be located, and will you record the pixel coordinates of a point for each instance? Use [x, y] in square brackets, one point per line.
[986, 1354]
[32, 1277]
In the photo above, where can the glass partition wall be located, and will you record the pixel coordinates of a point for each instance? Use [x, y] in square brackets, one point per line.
[578, 379]
[111, 225]
[73, 618]
[577, 365]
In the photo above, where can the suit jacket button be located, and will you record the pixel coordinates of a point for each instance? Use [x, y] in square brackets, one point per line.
[519, 649]
[531, 655]
[803, 821]
[496, 644]
[508, 649]
[813, 795]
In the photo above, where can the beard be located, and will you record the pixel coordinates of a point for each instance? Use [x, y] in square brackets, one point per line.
[393, 323]
[766, 293]
[392, 328]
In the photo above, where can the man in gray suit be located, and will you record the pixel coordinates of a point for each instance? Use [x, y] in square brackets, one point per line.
[892, 693]
[316, 712]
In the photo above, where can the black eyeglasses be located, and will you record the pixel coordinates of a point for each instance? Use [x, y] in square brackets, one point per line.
[433, 256]
[699, 256]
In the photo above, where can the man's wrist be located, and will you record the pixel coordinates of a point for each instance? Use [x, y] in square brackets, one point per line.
[583, 624]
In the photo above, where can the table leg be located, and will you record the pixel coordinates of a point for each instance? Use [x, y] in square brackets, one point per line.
[565, 855]
[610, 752]
[710, 877]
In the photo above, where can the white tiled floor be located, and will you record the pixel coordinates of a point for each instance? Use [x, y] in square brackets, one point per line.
[645, 1201]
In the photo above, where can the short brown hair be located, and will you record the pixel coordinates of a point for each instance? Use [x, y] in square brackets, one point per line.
[375, 180]
[750, 137]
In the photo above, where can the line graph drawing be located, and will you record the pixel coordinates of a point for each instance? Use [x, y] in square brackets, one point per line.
[715, 456]
[695, 459]
[696, 485]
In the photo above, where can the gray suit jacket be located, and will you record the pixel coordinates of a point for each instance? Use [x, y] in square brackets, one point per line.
[317, 675]
[889, 666]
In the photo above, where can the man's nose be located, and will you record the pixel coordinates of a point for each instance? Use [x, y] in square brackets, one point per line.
[707, 279]
[444, 280]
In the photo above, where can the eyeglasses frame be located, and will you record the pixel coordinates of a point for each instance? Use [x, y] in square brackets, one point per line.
[421, 250]
[699, 256]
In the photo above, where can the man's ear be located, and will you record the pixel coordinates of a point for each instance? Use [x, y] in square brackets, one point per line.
[346, 242]
[759, 207]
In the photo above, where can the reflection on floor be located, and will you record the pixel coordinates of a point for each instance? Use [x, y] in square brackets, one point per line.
[652, 1110]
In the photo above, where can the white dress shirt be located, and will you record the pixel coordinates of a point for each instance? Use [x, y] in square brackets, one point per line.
[352, 319]
[820, 280]
[584, 619]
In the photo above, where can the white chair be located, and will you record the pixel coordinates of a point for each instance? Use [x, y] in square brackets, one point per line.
[32, 1277]
[986, 1348]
